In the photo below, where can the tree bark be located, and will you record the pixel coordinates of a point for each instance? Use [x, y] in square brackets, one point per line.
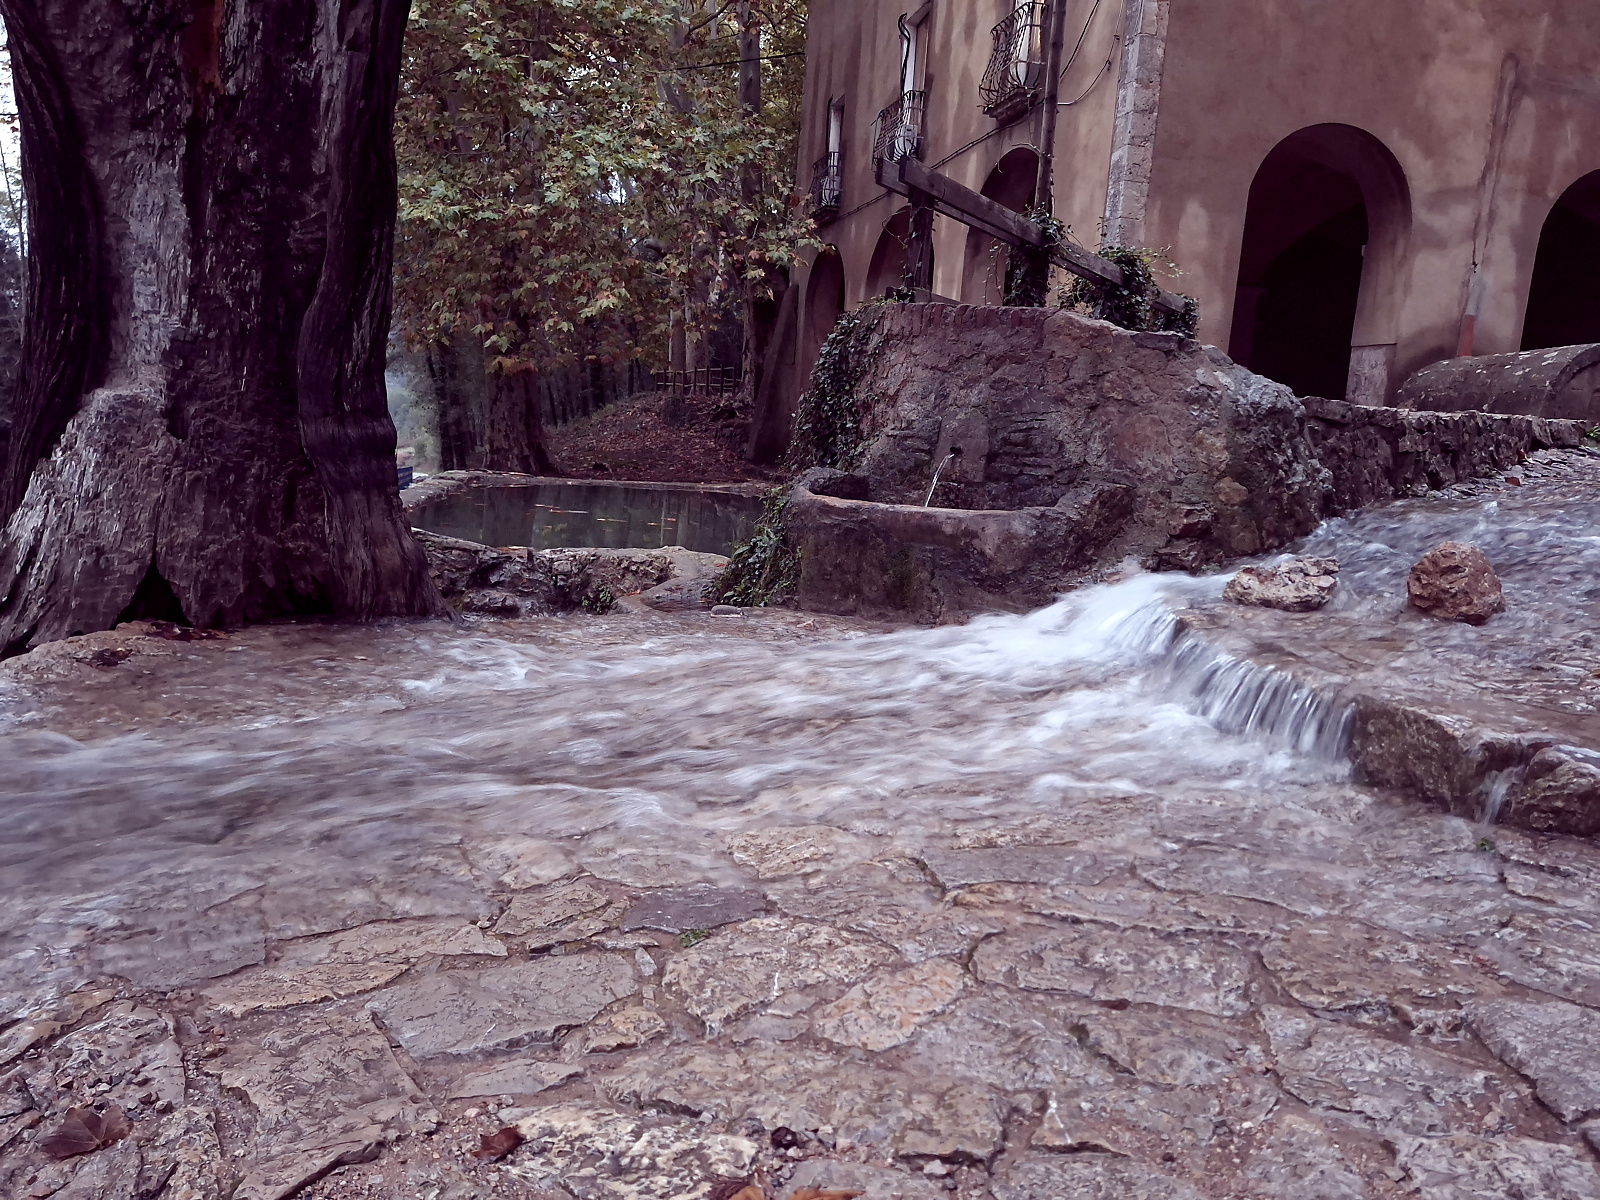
[201, 427]
[455, 367]
[515, 439]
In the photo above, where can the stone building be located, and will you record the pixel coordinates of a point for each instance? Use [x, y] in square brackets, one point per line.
[1352, 191]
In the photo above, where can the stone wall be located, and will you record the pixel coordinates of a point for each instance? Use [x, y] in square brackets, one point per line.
[1560, 382]
[1207, 461]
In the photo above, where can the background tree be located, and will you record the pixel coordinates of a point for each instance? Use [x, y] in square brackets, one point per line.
[579, 182]
[200, 429]
[12, 252]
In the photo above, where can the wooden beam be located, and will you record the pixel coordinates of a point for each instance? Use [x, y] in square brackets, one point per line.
[977, 210]
[1023, 232]
[889, 179]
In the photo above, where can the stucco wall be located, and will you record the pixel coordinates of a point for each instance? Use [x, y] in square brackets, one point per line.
[854, 53]
[1445, 85]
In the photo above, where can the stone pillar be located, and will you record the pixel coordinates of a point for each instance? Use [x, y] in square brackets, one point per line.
[1371, 374]
[1144, 48]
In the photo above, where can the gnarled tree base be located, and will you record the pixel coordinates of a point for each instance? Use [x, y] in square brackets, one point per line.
[201, 427]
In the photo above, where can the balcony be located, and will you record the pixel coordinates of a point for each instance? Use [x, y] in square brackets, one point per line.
[899, 129]
[825, 186]
[1014, 79]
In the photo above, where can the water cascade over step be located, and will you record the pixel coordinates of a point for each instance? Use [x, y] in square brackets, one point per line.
[1233, 694]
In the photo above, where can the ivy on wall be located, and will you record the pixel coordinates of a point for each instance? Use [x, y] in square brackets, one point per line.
[827, 420]
[1028, 267]
[764, 570]
[1132, 304]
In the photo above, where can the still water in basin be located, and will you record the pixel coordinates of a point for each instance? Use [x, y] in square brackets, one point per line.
[602, 514]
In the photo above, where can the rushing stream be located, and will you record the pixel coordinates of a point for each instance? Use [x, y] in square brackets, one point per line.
[440, 739]
[1111, 806]
[380, 758]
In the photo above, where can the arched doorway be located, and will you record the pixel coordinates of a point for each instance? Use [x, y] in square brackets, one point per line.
[824, 295]
[1325, 237]
[1563, 300]
[1011, 183]
[888, 267]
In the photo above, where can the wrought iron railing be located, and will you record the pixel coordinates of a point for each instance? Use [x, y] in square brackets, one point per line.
[826, 188]
[899, 129]
[1014, 77]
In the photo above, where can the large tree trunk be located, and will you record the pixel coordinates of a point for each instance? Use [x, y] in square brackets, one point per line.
[201, 426]
[514, 432]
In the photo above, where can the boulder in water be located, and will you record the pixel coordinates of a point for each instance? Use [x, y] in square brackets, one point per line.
[1299, 585]
[1455, 582]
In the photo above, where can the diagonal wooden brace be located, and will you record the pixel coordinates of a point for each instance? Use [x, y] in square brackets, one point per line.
[976, 210]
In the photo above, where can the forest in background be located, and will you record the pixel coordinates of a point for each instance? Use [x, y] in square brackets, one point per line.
[588, 189]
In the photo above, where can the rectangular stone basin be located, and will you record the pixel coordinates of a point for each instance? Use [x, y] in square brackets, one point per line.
[511, 510]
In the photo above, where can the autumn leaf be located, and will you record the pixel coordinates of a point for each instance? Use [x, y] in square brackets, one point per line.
[84, 1131]
[498, 1145]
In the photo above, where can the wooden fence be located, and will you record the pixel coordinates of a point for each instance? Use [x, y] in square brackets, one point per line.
[706, 381]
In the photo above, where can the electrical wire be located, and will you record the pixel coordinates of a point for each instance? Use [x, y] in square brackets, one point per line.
[1067, 66]
[1078, 99]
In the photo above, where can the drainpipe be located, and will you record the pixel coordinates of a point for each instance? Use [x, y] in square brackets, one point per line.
[1469, 318]
[1044, 187]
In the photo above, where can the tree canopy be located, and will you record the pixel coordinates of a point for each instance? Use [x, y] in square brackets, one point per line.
[576, 173]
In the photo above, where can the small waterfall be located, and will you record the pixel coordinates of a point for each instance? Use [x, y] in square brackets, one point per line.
[955, 452]
[1496, 787]
[1241, 697]
[1233, 694]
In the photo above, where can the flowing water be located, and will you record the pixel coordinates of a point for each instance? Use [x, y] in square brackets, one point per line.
[226, 789]
[1031, 847]
[435, 740]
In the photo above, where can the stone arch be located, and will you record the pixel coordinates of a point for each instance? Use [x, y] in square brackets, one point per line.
[824, 295]
[1011, 183]
[888, 267]
[1563, 301]
[1326, 242]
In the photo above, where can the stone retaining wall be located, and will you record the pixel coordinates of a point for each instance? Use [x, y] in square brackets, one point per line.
[1559, 382]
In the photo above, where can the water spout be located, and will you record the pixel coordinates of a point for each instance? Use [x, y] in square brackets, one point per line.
[955, 452]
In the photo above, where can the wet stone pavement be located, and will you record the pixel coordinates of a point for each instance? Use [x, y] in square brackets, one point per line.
[978, 913]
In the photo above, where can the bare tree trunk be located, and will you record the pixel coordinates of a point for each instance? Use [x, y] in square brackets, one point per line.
[514, 433]
[757, 318]
[201, 427]
[456, 369]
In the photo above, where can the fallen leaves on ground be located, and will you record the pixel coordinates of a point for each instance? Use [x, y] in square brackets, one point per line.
[84, 1131]
[498, 1145]
[632, 439]
[748, 1189]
